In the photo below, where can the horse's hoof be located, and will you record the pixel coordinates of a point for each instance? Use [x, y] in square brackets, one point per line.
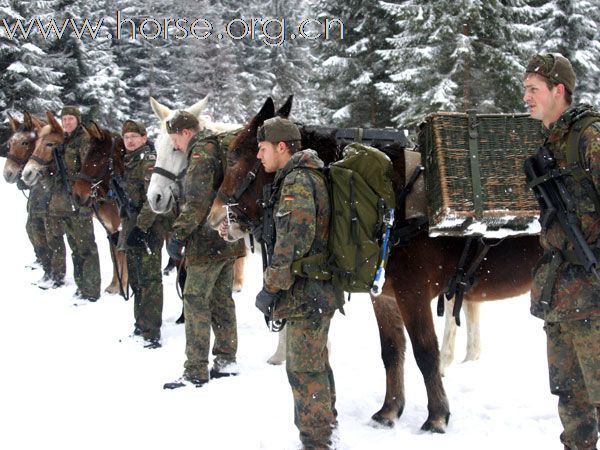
[112, 289]
[380, 421]
[275, 361]
[436, 426]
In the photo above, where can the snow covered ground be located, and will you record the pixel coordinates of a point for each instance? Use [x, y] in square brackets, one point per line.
[71, 377]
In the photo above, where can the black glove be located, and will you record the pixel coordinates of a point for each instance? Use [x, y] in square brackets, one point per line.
[175, 248]
[114, 238]
[137, 238]
[265, 301]
[21, 185]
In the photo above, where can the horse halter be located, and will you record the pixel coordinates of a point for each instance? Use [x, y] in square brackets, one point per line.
[108, 170]
[231, 203]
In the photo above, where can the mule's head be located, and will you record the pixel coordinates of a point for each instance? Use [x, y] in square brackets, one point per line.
[20, 145]
[238, 200]
[49, 137]
[97, 167]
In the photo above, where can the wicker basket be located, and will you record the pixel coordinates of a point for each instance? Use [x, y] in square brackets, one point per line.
[474, 173]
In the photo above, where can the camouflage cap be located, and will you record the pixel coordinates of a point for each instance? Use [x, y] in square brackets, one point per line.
[71, 110]
[180, 121]
[554, 67]
[131, 126]
[277, 129]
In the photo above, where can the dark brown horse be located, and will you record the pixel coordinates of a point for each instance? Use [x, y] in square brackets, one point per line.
[103, 160]
[41, 164]
[417, 272]
[20, 145]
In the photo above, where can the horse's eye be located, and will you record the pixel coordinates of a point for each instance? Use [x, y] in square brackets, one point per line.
[24, 143]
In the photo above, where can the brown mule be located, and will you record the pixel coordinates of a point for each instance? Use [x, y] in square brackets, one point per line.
[417, 272]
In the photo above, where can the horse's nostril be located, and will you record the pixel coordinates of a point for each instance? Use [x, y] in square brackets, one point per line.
[158, 197]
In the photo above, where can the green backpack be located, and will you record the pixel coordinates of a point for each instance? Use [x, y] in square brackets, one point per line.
[362, 205]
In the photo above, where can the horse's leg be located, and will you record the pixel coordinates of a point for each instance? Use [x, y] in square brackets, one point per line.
[278, 357]
[238, 273]
[447, 351]
[418, 319]
[393, 346]
[471, 309]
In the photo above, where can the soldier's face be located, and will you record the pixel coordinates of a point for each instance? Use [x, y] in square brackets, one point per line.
[181, 140]
[543, 102]
[270, 156]
[69, 123]
[133, 141]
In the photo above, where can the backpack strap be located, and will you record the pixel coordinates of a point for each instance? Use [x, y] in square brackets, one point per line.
[575, 158]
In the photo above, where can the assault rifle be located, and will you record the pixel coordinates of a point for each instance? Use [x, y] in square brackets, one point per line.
[61, 167]
[267, 233]
[126, 209]
[556, 202]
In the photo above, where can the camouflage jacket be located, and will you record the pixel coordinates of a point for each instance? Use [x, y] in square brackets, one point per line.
[301, 212]
[571, 292]
[138, 169]
[75, 148]
[202, 180]
[37, 204]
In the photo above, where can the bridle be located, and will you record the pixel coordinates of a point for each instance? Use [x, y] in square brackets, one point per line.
[99, 179]
[231, 202]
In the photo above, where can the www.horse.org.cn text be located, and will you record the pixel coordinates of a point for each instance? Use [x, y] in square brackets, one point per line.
[270, 31]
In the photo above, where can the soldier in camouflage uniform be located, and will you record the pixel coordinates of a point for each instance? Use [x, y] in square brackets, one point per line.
[564, 294]
[301, 213]
[65, 217]
[207, 299]
[142, 235]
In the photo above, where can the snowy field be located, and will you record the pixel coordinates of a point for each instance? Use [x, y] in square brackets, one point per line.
[72, 378]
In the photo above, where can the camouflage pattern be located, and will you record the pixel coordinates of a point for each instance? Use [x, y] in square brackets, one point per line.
[207, 297]
[145, 276]
[80, 232]
[572, 318]
[311, 379]
[575, 379]
[37, 210]
[575, 293]
[302, 212]
[76, 223]
[207, 303]
[203, 178]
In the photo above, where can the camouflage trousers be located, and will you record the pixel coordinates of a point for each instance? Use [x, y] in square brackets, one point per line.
[574, 367]
[311, 379]
[145, 278]
[36, 231]
[84, 252]
[207, 303]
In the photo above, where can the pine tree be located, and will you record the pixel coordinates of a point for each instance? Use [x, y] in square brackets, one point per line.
[351, 68]
[571, 28]
[457, 56]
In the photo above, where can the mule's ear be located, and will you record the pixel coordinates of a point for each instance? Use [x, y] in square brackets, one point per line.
[54, 125]
[161, 111]
[37, 122]
[266, 112]
[197, 107]
[94, 131]
[285, 109]
[27, 123]
[14, 123]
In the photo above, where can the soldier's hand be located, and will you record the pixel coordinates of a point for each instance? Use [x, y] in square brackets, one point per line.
[175, 248]
[265, 302]
[136, 237]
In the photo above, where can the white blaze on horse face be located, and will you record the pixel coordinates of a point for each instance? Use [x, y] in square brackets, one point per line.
[162, 190]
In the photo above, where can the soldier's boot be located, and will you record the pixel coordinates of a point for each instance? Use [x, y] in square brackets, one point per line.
[224, 366]
[186, 380]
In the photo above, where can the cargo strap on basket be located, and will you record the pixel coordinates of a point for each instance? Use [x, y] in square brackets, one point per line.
[464, 277]
[474, 162]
